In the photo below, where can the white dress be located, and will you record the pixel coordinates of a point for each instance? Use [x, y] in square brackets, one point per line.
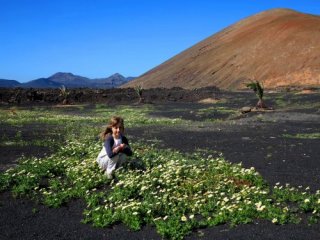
[110, 164]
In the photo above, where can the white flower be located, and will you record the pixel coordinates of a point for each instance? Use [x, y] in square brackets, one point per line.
[274, 220]
[191, 216]
[259, 206]
[307, 200]
[183, 218]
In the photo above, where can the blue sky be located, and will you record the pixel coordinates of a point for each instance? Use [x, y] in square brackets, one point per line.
[97, 38]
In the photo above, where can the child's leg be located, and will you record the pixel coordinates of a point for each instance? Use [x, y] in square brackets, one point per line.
[122, 159]
[103, 162]
[111, 164]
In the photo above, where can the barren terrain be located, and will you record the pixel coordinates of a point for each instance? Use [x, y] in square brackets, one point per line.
[281, 144]
[278, 47]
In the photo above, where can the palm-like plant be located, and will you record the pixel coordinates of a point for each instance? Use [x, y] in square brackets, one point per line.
[258, 90]
[64, 93]
[139, 90]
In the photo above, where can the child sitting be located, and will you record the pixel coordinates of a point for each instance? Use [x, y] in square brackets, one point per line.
[115, 147]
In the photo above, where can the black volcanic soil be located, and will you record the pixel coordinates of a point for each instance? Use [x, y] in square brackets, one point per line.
[255, 139]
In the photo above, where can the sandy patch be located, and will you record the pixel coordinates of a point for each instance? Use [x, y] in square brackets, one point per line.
[306, 91]
[210, 100]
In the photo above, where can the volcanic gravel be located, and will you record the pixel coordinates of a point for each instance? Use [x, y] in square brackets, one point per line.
[256, 139]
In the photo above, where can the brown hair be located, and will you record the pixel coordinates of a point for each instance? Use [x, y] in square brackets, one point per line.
[114, 121]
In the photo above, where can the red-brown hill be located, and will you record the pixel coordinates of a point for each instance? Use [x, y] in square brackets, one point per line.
[279, 47]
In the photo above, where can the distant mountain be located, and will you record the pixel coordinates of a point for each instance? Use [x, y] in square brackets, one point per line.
[278, 47]
[69, 80]
[9, 83]
[41, 83]
[110, 82]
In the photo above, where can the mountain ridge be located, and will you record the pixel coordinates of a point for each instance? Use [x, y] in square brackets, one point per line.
[69, 80]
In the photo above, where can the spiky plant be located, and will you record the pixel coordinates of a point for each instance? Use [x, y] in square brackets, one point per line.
[139, 91]
[64, 93]
[258, 90]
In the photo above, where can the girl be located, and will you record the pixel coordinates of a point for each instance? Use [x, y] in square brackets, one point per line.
[115, 147]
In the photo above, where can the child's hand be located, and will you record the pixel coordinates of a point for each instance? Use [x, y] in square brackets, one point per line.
[118, 148]
[122, 146]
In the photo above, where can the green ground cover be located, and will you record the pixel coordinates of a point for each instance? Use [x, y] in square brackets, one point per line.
[172, 191]
[304, 135]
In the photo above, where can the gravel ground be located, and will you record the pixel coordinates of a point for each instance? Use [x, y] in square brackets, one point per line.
[256, 139]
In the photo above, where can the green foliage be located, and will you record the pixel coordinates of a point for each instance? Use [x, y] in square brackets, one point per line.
[257, 88]
[134, 116]
[63, 91]
[174, 192]
[64, 94]
[139, 90]
[303, 135]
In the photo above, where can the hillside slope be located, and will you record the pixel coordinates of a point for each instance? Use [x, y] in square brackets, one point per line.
[278, 47]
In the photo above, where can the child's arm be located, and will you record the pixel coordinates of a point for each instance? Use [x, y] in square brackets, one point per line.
[108, 146]
[118, 148]
[126, 149]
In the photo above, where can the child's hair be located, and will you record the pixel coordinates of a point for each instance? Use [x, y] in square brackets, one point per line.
[114, 121]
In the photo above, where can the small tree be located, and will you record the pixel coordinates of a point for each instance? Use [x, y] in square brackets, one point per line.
[258, 90]
[64, 94]
[139, 91]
